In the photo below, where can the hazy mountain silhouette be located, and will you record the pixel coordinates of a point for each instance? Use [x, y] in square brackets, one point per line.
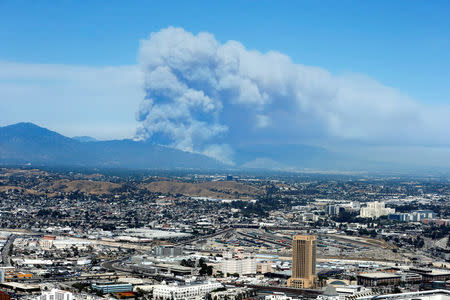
[27, 143]
[85, 139]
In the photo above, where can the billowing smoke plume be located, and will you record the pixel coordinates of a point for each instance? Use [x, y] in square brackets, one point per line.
[204, 96]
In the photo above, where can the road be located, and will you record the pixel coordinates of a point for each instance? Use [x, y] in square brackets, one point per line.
[260, 237]
[204, 237]
[112, 265]
[6, 249]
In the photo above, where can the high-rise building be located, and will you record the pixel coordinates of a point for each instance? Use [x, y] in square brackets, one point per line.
[375, 210]
[241, 266]
[332, 209]
[304, 249]
[166, 250]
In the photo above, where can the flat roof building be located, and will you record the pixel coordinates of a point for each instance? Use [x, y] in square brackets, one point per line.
[185, 291]
[430, 275]
[423, 295]
[378, 278]
[22, 287]
[113, 288]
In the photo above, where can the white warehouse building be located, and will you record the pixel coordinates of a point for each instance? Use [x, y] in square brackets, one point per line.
[186, 291]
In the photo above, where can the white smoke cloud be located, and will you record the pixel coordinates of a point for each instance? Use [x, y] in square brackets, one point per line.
[205, 96]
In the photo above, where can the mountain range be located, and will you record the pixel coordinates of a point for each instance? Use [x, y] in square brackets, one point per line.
[27, 143]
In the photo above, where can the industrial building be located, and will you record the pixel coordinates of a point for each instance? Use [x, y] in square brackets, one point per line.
[423, 295]
[430, 275]
[113, 288]
[378, 278]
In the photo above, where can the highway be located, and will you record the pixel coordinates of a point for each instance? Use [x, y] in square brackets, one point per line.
[204, 237]
[112, 266]
[259, 237]
[6, 249]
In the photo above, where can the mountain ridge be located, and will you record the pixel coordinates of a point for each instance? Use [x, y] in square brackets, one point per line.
[27, 143]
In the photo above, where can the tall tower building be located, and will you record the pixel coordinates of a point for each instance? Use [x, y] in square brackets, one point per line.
[304, 248]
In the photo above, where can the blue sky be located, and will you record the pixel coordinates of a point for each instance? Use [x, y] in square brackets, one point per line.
[403, 44]
[73, 66]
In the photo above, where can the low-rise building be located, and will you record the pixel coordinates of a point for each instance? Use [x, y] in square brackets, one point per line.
[378, 278]
[232, 294]
[264, 267]
[113, 288]
[278, 296]
[349, 292]
[414, 216]
[55, 294]
[430, 275]
[423, 295]
[185, 291]
[329, 293]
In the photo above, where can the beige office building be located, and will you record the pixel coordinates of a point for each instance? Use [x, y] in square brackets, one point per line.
[304, 249]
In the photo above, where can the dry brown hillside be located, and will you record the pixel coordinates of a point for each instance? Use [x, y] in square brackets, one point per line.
[6, 188]
[85, 186]
[214, 189]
